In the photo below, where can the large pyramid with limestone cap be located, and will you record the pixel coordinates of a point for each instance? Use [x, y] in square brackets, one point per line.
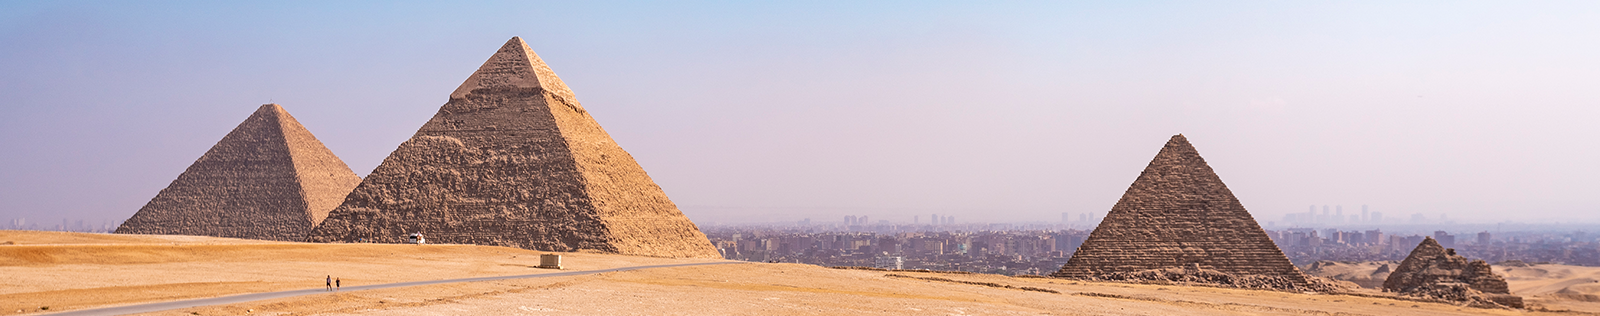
[1178, 222]
[513, 160]
[268, 179]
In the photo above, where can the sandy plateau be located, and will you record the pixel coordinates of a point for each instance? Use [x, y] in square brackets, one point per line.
[72, 271]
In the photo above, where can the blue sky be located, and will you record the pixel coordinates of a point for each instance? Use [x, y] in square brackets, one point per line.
[753, 111]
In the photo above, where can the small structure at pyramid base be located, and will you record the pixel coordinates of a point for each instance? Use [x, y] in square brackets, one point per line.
[1435, 272]
[1179, 223]
[267, 179]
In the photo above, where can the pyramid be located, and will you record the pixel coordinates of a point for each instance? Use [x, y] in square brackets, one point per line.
[267, 179]
[1179, 216]
[513, 160]
[1433, 271]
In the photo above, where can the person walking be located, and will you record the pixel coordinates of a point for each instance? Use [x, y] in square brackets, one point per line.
[330, 283]
[335, 284]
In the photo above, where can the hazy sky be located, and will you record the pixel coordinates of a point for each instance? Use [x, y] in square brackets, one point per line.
[1487, 111]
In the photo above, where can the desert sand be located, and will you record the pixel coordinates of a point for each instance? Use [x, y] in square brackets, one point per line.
[1367, 274]
[67, 271]
[1555, 286]
[70, 271]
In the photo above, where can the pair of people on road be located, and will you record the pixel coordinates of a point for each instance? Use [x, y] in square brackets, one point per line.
[333, 284]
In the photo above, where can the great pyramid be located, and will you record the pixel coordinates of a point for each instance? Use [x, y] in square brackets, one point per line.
[513, 160]
[1179, 222]
[268, 179]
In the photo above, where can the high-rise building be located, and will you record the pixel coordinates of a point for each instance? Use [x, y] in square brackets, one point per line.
[889, 262]
[849, 219]
[1445, 239]
[1065, 218]
[1483, 238]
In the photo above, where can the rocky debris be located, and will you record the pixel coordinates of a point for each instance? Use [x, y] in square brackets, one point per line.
[1435, 272]
[1209, 277]
[267, 179]
[1176, 214]
[513, 160]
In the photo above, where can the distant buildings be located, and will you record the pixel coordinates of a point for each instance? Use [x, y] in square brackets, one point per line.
[1042, 248]
[68, 225]
[889, 262]
[971, 247]
[1445, 239]
[1332, 215]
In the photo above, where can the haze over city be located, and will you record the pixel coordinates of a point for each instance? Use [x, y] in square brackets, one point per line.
[780, 112]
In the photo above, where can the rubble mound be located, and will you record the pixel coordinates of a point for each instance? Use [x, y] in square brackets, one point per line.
[268, 179]
[1199, 276]
[1435, 272]
[1178, 213]
[512, 159]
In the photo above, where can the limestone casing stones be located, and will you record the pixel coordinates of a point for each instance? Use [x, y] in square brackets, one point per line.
[267, 179]
[513, 160]
[1179, 222]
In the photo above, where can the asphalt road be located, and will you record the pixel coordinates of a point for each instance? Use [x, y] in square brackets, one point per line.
[156, 307]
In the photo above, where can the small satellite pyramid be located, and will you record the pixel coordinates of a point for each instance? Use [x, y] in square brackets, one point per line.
[268, 179]
[1178, 215]
[513, 160]
[1433, 271]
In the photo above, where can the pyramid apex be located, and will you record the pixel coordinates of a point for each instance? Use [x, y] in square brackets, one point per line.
[514, 67]
[1177, 145]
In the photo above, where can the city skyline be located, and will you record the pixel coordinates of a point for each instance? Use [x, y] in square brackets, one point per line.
[750, 112]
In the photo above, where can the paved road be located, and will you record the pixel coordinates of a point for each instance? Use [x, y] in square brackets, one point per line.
[156, 307]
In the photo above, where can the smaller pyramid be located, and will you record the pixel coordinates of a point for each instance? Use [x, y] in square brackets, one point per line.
[1178, 222]
[267, 179]
[1433, 271]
